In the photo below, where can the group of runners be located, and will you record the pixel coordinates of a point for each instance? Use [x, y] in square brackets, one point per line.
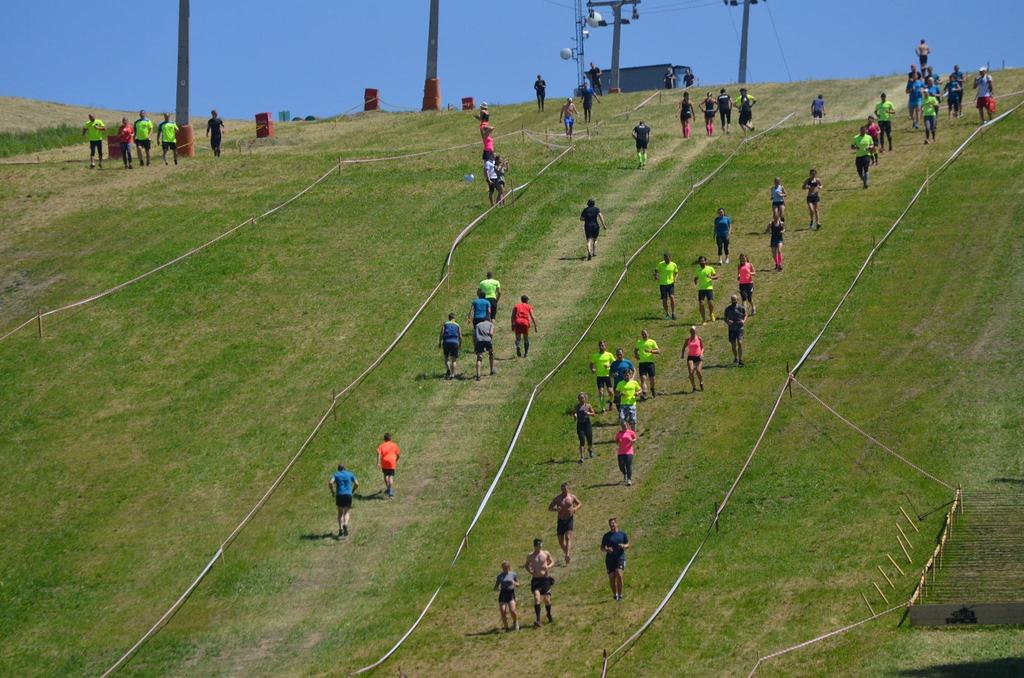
[495, 167]
[140, 135]
[722, 105]
[343, 482]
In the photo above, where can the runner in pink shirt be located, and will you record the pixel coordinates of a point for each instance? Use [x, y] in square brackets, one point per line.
[745, 275]
[693, 351]
[125, 137]
[625, 438]
[874, 131]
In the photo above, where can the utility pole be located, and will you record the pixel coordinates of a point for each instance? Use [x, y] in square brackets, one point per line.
[616, 6]
[181, 101]
[743, 42]
[742, 78]
[432, 86]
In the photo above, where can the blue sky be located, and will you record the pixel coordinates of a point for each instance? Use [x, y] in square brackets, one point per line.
[316, 56]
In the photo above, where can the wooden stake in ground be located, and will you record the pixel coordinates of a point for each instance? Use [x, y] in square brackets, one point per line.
[39, 322]
[909, 520]
[904, 535]
[905, 551]
[886, 576]
[880, 592]
[896, 565]
[865, 599]
[789, 381]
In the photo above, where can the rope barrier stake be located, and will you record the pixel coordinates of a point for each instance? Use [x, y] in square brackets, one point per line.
[39, 322]
[334, 399]
[898, 527]
[896, 565]
[909, 520]
[891, 585]
[905, 551]
[865, 599]
[789, 381]
[880, 592]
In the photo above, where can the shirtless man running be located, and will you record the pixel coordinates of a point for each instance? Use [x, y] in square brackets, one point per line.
[567, 504]
[538, 564]
[568, 115]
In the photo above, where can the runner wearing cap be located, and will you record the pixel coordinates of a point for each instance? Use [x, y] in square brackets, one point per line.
[985, 94]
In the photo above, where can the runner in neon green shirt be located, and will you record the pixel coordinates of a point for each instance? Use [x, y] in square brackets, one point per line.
[863, 144]
[884, 110]
[492, 292]
[94, 130]
[705, 282]
[665, 273]
[601, 366]
[646, 349]
[930, 111]
[627, 389]
[143, 132]
[168, 133]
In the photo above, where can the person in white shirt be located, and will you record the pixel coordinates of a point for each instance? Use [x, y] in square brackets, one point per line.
[984, 97]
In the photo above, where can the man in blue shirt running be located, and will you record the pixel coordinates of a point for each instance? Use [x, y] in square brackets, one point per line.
[614, 544]
[723, 226]
[915, 91]
[342, 484]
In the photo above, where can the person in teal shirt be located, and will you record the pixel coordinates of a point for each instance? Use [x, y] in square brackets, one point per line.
[343, 483]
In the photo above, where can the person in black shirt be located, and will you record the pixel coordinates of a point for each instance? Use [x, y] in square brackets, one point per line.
[736, 319]
[593, 221]
[214, 129]
[595, 78]
[614, 544]
[724, 109]
[689, 79]
[670, 78]
[541, 88]
[642, 136]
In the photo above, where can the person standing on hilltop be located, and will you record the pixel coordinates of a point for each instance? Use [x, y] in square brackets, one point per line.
[594, 75]
[143, 132]
[985, 98]
[724, 109]
[93, 130]
[541, 89]
[923, 50]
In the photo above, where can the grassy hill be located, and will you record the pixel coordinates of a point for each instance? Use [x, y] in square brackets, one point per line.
[154, 419]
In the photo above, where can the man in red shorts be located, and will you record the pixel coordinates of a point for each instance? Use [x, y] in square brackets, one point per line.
[387, 462]
[522, 318]
[985, 97]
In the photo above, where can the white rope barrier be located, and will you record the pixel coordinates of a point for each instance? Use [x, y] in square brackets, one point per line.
[164, 618]
[536, 390]
[746, 464]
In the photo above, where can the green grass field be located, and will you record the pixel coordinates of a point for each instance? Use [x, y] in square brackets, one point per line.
[139, 430]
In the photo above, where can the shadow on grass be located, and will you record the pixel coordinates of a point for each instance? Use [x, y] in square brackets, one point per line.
[376, 496]
[580, 258]
[1007, 666]
[1010, 481]
[489, 632]
[313, 536]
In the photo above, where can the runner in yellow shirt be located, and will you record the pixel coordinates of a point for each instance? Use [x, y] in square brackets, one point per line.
[863, 145]
[705, 282]
[601, 366]
[143, 130]
[492, 292]
[94, 130]
[884, 110]
[930, 112]
[167, 131]
[665, 273]
[646, 349]
[628, 389]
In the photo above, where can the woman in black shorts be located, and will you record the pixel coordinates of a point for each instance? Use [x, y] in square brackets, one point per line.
[777, 228]
[709, 107]
[582, 412]
[745, 276]
[686, 114]
[812, 184]
[505, 584]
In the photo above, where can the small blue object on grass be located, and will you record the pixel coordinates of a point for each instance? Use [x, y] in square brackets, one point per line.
[468, 178]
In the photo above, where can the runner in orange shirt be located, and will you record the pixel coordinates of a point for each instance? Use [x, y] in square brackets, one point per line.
[522, 317]
[387, 462]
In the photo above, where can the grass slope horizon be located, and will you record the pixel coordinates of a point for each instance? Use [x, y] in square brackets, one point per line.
[271, 582]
